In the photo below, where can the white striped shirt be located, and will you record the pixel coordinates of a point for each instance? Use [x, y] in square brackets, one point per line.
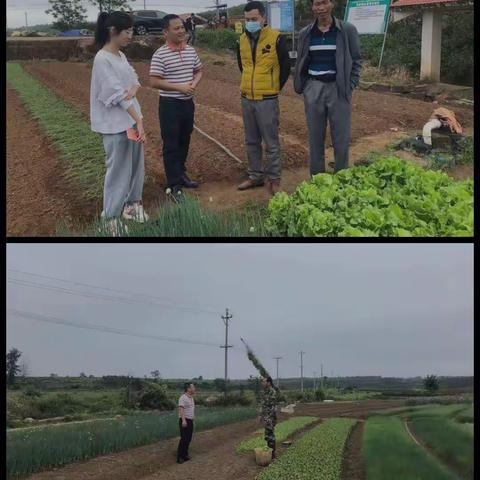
[175, 66]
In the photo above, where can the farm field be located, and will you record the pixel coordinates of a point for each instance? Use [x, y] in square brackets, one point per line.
[218, 115]
[357, 444]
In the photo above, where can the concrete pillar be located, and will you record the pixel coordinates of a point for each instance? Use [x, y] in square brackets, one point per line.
[431, 45]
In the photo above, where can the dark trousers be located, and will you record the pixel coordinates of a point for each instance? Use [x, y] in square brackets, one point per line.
[185, 438]
[176, 125]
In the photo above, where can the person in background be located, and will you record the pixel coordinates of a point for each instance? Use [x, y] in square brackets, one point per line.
[114, 111]
[190, 26]
[327, 71]
[176, 70]
[269, 412]
[186, 413]
[264, 61]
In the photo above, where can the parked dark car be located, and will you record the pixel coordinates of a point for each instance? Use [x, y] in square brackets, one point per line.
[147, 21]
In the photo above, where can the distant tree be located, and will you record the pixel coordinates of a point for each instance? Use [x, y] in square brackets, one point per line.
[12, 365]
[53, 375]
[68, 14]
[200, 377]
[430, 383]
[91, 376]
[82, 375]
[110, 5]
[155, 374]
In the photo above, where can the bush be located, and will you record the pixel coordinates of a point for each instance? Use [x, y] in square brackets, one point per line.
[59, 404]
[217, 39]
[233, 400]
[319, 395]
[154, 397]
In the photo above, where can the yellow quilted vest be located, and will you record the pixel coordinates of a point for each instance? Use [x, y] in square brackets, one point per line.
[260, 76]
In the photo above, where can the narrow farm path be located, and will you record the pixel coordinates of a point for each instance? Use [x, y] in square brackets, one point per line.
[37, 195]
[352, 466]
[428, 450]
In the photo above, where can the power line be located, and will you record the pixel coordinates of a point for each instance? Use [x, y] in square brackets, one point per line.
[102, 328]
[127, 296]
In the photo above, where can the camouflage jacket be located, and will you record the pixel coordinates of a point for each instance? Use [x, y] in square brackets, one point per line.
[269, 403]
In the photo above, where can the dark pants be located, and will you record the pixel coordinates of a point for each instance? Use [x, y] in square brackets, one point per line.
[185, 438]
[176, 125]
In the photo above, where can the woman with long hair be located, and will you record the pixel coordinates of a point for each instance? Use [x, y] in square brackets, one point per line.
[115, 113]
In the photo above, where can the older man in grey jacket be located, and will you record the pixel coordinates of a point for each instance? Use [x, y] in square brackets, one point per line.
[328, 69]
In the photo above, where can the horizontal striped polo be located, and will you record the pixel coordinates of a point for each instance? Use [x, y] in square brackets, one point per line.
[322, 51]
[175, 66]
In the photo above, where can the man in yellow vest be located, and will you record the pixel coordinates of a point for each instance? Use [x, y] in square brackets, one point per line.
[264, 61]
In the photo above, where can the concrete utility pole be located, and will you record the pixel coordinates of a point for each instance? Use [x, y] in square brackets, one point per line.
[314, 381]
[278, 378]
[301, 370]
[226, 319]
[26, 20]
[321, 374]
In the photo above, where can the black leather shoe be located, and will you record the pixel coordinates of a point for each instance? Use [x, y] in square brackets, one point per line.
[188, 183]
[180, 460]
[187, 458]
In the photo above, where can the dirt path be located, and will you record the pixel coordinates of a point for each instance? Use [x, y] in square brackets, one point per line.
[352, 466]
[37, 194]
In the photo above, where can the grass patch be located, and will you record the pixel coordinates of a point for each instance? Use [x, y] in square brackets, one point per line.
[282, 431]
[316, 456]
[190, 219]
[389, 452]
[35, 449]
[67, 131]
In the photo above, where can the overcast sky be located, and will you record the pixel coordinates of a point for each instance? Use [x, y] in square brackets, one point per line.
[391, 310]
[36, 9]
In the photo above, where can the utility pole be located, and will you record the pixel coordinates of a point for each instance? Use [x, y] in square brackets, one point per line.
[144, 4]
[278, 378]
[26, 20]
[321, 374]
[301, 370]
[226, 319]
[314, 381]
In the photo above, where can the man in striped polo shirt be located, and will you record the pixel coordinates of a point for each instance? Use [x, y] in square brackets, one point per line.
[186, 414]
[328, 69]
[176, 70]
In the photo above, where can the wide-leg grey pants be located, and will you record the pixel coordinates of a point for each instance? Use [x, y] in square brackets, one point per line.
[125, 173]
[261, 119]
[321, 104]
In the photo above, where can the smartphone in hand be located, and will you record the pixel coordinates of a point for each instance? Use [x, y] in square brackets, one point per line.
[132, 134]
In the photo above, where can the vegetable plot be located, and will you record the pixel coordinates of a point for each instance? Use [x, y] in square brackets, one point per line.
[389, 198]
[316, 456]
[282, 431]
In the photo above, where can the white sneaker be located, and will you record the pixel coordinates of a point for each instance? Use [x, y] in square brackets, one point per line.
[114, 227]
[135, 212]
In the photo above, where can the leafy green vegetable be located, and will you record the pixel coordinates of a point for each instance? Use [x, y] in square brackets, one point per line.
[389, 198]
[282, 431]
[316, 456]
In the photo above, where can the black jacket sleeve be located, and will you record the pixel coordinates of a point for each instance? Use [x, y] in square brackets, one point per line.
[283, 60]
[239, 58]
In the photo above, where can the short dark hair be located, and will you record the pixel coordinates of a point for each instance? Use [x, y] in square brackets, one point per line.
[187, 384]
[255, 5]
[311, 1]
[167, 18]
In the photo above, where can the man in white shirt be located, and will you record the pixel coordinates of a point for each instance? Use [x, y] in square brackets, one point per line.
[186, 413]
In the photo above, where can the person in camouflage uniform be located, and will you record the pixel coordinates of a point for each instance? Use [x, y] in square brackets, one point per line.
[269, 412]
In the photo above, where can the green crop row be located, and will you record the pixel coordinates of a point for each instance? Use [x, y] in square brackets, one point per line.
[447, 438]
[388, 198]
[315, 456]
[67, 131]
[282, 431]
[390, 453]
[33, 449]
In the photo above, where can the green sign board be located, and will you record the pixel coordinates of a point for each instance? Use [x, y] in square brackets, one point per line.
[368, 16]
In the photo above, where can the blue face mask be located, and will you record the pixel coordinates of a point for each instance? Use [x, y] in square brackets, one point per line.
[253, 27]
